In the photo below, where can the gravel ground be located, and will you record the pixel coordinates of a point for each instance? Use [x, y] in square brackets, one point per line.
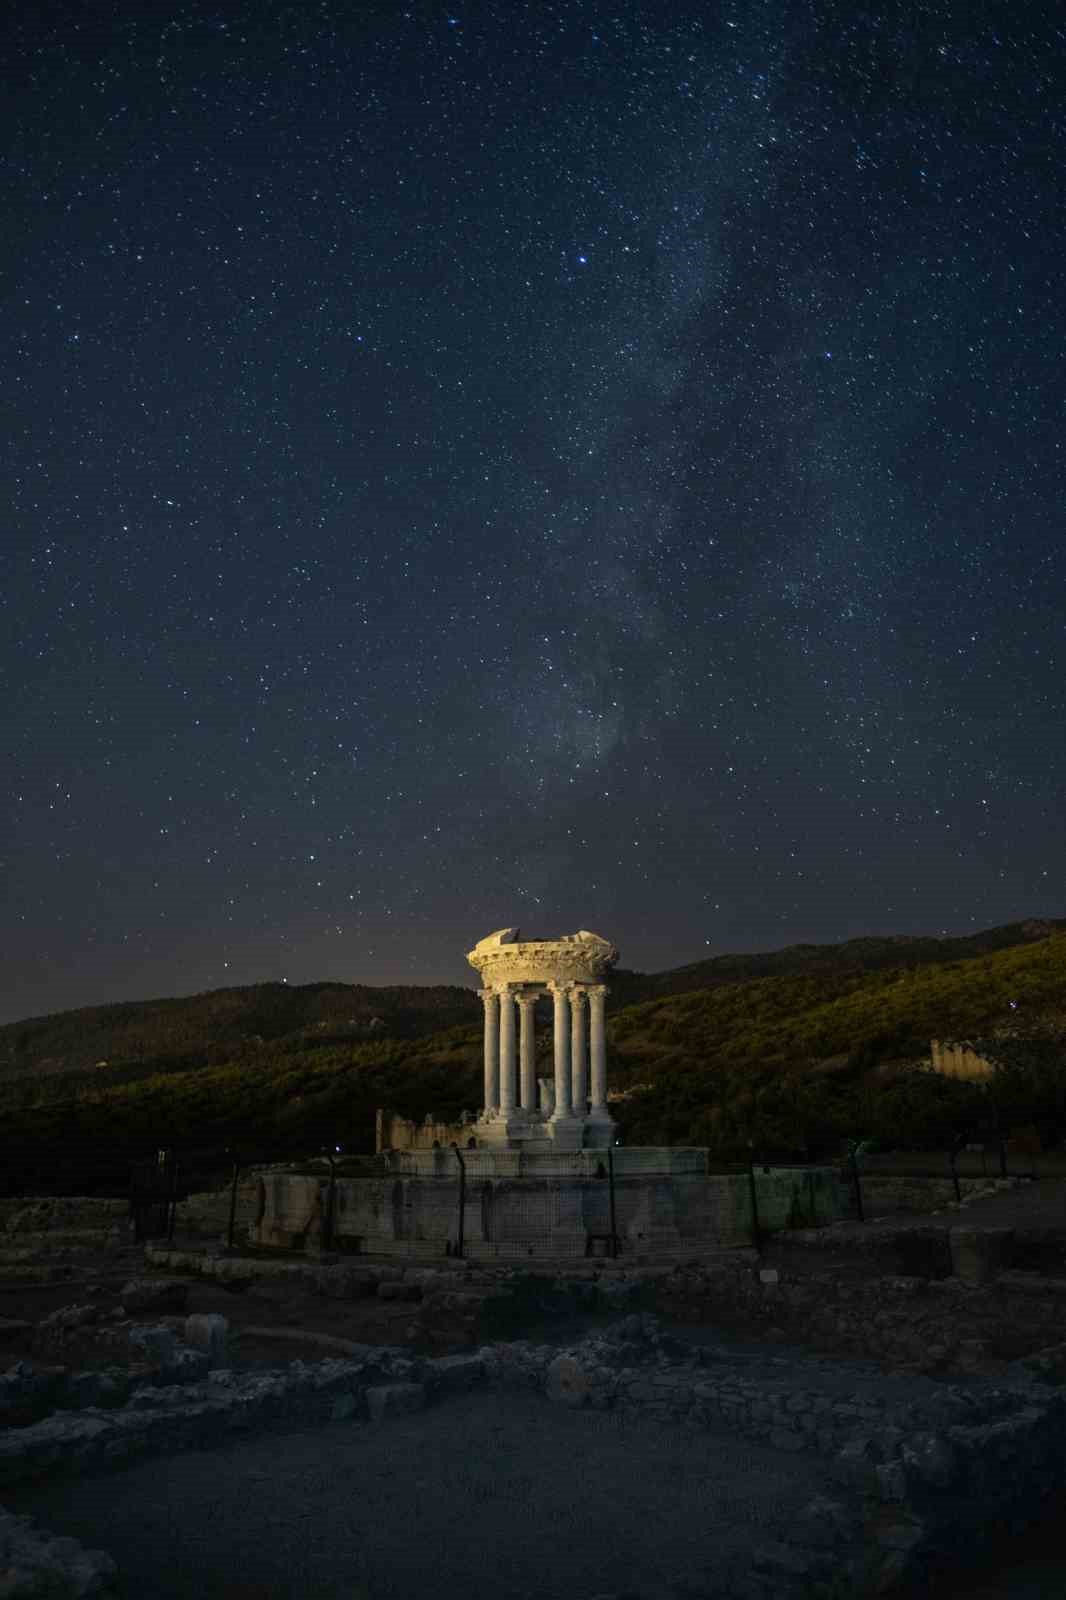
[488, 1496]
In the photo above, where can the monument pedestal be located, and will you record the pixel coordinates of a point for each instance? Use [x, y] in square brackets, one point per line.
[516, 1130]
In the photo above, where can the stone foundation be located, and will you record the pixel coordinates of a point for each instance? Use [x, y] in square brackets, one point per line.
[525, 1206]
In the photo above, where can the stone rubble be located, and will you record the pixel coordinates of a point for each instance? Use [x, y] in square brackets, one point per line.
[35, 1564]
[918, 1467]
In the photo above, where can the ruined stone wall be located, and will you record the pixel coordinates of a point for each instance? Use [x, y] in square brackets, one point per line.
[207, 1215]
[60, 1212]
[918, 1471]
[921, 1323]
[884, 1193]
[397, 1133]
[957, 1060]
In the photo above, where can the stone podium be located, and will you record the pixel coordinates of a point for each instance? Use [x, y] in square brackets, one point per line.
[570, 972]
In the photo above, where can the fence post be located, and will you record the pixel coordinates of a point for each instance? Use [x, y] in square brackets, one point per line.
[954, 1172]
[858, 1184]
[610, 1196]
[233, 1203]
[459, 1243]
[327, 1220]
[173, 1197]
[756, 1232]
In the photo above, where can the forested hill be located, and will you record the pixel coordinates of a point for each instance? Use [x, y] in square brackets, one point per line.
[852, 956]
[195, 1029]
[790, 1063]
[172, 1035]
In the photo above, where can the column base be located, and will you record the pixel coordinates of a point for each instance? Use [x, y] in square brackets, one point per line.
[565, 1132]
[601, 1130]
[496, 1128]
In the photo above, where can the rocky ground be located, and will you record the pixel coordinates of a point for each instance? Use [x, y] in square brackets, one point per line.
[330, 1516]
[486, 1498]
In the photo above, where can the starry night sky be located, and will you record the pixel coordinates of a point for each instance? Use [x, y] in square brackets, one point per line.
[568, 464]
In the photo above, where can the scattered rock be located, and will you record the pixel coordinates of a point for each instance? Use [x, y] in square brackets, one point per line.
[394, 1400]
[567, 1382]
[65, 1320]
[155, 1294]
[399, 1291]
[158, 1345]
[210, 1332]
[35, 1564]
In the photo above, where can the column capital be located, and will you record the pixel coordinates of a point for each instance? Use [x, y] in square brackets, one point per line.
[489, 994]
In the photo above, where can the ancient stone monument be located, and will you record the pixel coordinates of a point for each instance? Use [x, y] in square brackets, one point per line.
[572, 1114]
[537, 1173]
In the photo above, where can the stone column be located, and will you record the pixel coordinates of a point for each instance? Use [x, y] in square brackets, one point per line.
[507, 1057]
[561, 1001]
[527, 1053]
[490, 1001]
[598, 1049]
[579, 1075]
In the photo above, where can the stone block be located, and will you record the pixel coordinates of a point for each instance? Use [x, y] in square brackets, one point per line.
[454, 1374]
[156, 1345]
[980, 1254]
[568, 1383]
[208, 1331]
[155, 1294]
[399, 1291]
[394, 1400]
[346, 1283]
[931, 1459]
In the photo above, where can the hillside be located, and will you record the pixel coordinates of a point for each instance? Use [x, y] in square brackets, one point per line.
[176, 1034]
[792, 1063]
[696, 1064]
[181, 1034]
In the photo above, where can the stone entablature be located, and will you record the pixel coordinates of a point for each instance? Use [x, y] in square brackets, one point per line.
[519, 972]
[504, 958]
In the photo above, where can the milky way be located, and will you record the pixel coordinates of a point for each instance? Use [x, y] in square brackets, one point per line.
[573, 465]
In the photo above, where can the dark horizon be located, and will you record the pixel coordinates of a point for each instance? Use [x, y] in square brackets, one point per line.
[469, 980]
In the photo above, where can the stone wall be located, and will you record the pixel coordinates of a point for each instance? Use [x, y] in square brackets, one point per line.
[206, 1215]
[78, 1213]
[46, 1240]
[525, 1217]
[393, 1132]
[924, 1324]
